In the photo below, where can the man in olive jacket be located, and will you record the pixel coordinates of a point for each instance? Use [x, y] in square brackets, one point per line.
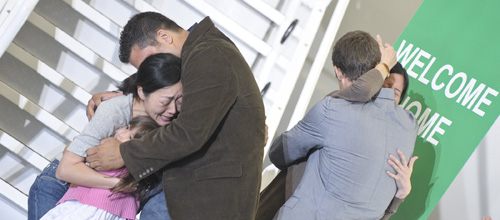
[211, 155]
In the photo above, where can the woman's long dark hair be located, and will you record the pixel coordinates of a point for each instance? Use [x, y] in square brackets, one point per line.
[155, 72]
[144, 124]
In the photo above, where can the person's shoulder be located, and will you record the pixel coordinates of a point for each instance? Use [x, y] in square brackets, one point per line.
[403, 111]
[332, 100]
[386, 94]
[326, 100]
[406, 115]
[120, 99]
[327, 103]
[117, 102]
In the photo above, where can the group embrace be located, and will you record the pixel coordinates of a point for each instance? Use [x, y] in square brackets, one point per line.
[184, 138]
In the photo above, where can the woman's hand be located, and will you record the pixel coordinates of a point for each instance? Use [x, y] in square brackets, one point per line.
[403, 175]
[96, 101]
[388, 54]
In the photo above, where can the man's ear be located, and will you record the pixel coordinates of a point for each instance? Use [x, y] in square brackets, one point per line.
[338, 73]
[164, 37]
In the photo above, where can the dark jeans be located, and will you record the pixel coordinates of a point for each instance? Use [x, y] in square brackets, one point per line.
[155, 207]
[45, 192]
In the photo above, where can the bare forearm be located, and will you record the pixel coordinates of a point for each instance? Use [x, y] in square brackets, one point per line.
[76, 172]
[383, 71]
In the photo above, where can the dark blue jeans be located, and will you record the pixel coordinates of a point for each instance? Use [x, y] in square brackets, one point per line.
[45, 192]
[155, 207]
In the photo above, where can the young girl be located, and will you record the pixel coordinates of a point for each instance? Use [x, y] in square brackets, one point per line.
[150, 92]
[94, 203]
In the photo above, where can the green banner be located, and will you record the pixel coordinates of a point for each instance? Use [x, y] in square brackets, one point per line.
[449, 49]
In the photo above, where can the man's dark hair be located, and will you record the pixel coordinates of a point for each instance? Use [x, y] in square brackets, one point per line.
[398, 69]
[141, 30]
[355, 53]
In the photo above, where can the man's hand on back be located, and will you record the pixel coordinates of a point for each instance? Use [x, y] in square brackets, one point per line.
[106, 156]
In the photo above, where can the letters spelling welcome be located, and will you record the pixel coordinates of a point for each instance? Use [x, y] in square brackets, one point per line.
[467, 94]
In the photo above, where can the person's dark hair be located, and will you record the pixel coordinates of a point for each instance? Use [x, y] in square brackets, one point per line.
[141, 30]
[144, 124]
[355, 53]
[155, 72]
[398, 69]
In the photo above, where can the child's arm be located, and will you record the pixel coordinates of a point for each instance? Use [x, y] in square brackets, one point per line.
[73, 169]
[363, 88]
[111, 114]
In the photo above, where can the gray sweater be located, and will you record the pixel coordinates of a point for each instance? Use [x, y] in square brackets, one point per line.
[111, 115]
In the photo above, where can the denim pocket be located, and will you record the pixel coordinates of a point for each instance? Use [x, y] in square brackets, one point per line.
[49, 173]
[53, 179]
